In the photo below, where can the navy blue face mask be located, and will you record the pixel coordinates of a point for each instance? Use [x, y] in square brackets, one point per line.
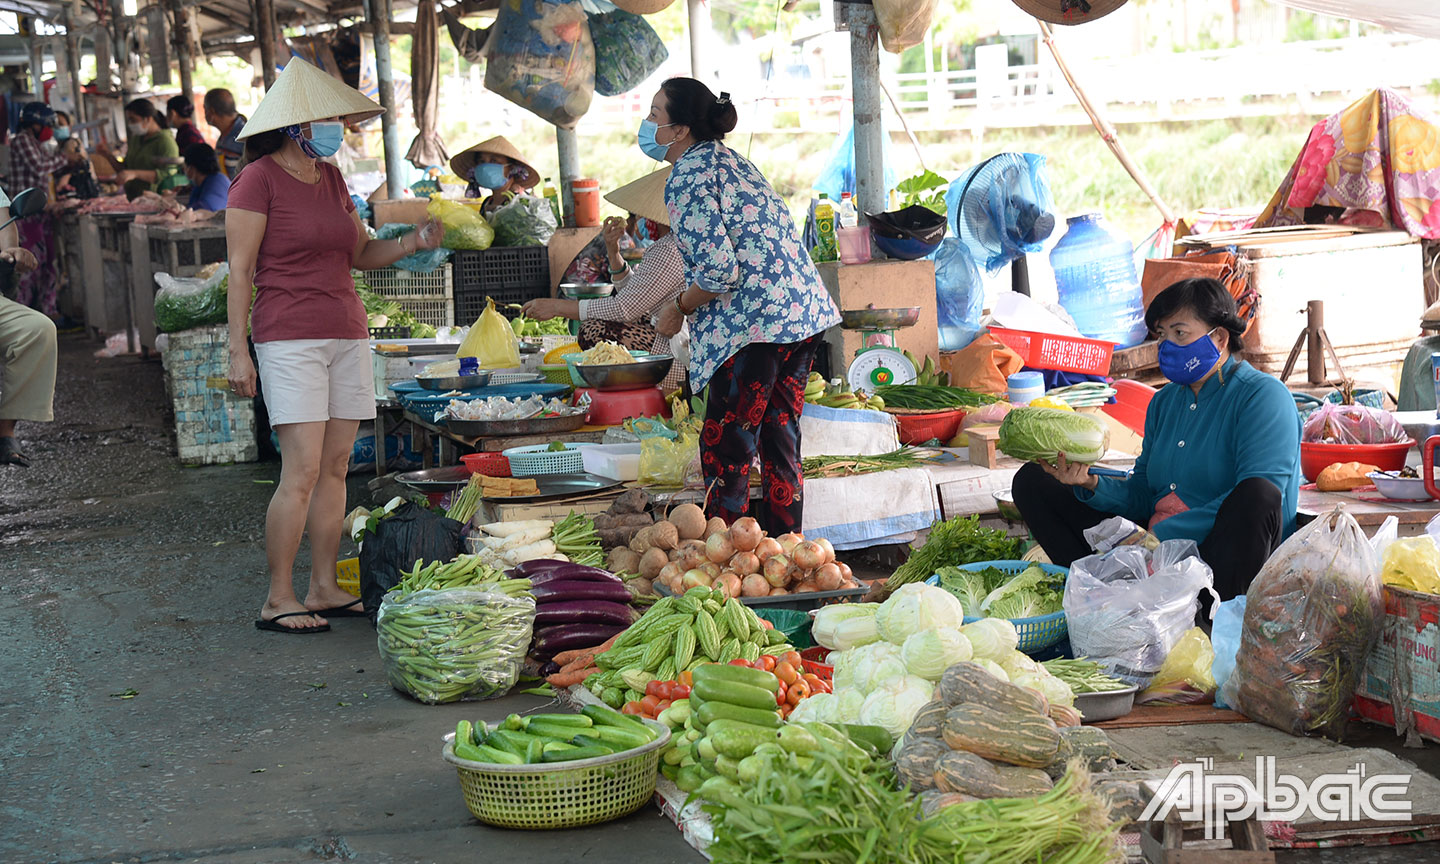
[1186, 364]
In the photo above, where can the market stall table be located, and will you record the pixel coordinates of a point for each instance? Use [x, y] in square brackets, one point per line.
[1369, 509]
[106, 252]
[428, 429]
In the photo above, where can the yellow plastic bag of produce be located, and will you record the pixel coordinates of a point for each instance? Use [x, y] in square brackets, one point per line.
[665, 463]
[491, 341]
[1413, 563]
[1185, 677]
[465, 228]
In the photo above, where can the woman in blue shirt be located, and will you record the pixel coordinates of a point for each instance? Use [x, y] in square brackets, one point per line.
[1221, 459]
[758, 304]
[209, 187]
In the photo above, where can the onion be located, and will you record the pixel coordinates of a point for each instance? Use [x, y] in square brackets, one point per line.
[808, 555]
[715, 526]
[776, 592]
[754, 585]
[788, 542]
[729, 584]
[845, 571]
[719, 548]
[695, 578]
[745, 563]
[829, 550]
[746, 534]
[692, 554]
[806, 587]
[669, 572]
[768, 548]
[777, 571]
[828, 578]
[709, 568]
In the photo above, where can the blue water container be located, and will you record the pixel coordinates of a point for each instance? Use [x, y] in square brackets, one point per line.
[1095, 274]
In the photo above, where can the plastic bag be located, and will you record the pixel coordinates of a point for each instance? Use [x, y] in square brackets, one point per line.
[1225, 637]
[1311, 617]
[542, 59]
[411, 533]
[984, 365]
[465, 228]
[959, 295]
[419, 261]
[491, 341]
[627, 51]
[1128, 608]
[181, 304]
[523, 221]
[903, 22]
[1352, 424]
[456, 644]
[1186, 677]
[665, 463]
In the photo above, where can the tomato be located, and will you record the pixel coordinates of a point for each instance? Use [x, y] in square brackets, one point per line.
[815, 681]
[678, 692]
[791, 657]
[653, 688]
[688, 679]
[766, 624]
[780, 695]
[785, 711]
[800, 690]
[786, 673]
[663, 704]
[648, 704]
[631, 708]
[740, 661]
[766, 663]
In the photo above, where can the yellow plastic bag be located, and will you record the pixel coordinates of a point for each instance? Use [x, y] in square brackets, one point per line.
[465, 228]
[665, 462]
[1413, 563]
[1185, 678]
[491, 341]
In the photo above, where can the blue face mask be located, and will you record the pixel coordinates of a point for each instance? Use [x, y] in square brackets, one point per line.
[644, 232]
[1186, 364]
[324, 140]
[648, 145]
[62, 133]
[490, 175]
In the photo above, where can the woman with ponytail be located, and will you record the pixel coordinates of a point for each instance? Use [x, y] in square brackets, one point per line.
[755, 300]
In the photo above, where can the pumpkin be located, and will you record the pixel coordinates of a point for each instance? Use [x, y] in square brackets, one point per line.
[969, 682]
[927, 721]
[1027, 740]
[915, 761]
[934, 801]
[1065, 716]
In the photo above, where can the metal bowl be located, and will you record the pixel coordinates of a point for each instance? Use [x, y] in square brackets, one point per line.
[456, 382]
[1399, 488]
[879, 319]
[644, 372]
[1105, 705]
[577, 290]
[1005, 503]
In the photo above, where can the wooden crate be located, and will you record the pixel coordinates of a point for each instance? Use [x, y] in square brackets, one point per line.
[500, 511]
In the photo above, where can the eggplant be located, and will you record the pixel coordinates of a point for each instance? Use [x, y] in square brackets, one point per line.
[550, 668]
[529, 569]
[583, 612]
[550, 641]
[559, 591]
[576, 573]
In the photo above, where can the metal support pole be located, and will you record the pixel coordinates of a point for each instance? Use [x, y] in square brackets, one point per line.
[378, 13]
[265, 33]
[867, 94]
[568, 147]
[73, 46]
[181, 38]
[1314, 347]
[700, 30]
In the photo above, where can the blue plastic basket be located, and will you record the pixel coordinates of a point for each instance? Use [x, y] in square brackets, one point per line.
[1036, 634]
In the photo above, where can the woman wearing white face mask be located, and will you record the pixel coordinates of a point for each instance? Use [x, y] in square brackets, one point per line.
[293, 236]
[495, 171]
[148, 145]
[1221, 458]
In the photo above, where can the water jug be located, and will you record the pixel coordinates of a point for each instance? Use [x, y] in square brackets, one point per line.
[1095, 274]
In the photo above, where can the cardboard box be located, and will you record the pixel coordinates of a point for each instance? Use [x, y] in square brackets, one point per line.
[1401, 684]
[888, 285]
[406, 211]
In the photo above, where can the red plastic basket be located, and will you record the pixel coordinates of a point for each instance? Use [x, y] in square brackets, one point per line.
[810, 661]
[920, 428]
[488, 464]
[1063, 353]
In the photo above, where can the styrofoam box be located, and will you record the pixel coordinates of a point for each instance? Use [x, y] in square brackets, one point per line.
[616, 461]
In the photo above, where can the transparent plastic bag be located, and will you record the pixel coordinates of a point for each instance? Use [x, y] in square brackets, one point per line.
[1311, 617]
[523, 221]
[1225, 637]
[903, 22]
[1186, 677]
[666, 463]
[627, 51]
[465, 228]
[541, 57]
[1352, 424]
[183, 303]
[419, 261]
[1128, 608]
[454, 645]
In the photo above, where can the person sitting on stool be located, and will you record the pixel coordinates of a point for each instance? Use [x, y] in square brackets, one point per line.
[1221, 460]
[28, 350]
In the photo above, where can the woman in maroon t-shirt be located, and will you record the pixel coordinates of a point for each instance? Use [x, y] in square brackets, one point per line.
[294, 237]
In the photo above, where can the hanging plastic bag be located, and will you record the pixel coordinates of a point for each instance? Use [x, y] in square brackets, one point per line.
[524, 220]
[1186, 677]
[627, 51]
[959, 295]
[454, 645]
[903, 22]
[665, 463]
[419, 261]
[491, 341]
[1352, 424]
[1127, 609]
[542, 59]
[465, 228]
[984, 365]
[1311, 617]
[183, 303]
[411, 533]
[1225, 637]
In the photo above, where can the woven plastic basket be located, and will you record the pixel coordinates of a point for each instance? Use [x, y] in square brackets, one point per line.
[561, 794]
[538, 459]
[1036, 634]
[347, 575]
[557, 374]
[488, 464]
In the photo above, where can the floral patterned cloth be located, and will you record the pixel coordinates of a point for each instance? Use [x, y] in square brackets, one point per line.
[1379, 159]
[739, 242]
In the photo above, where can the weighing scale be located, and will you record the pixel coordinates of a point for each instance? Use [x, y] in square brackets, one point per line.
[879, 363]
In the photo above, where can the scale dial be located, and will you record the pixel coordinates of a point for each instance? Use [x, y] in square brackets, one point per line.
[879, 367]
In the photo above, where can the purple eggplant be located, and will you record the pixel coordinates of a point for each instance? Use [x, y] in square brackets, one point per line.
[585, 575]
[582, 612]
[558, 591]
[550, 668]
[530, 569]
[550, 641]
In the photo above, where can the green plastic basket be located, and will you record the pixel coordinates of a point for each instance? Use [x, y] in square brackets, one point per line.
[794, 623]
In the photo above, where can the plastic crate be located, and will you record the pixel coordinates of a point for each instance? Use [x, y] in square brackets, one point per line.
[506, 274]
[539, 459]
[794, 623]
[427, 296]
[183, 253]
[347, 575]
[389, 332]
[1062, 353]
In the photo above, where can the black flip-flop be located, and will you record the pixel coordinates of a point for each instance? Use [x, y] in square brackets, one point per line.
[263, 624]
[346, 611]
[10, 453]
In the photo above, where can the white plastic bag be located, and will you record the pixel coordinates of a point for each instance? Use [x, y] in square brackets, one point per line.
[1127, 608]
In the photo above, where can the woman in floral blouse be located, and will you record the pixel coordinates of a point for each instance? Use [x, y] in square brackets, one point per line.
[757, 302]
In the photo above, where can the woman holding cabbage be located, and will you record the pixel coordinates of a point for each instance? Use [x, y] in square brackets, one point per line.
[1220, 463]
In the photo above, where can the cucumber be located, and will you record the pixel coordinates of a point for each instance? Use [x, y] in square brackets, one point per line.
[603, 716]
[737, 675]
[736, 739]
[500, 757]
[581, 741]
[712, 711]
[621, 739]
[534, 751]
[870, 737]
[577, 753]
[556, 731]
[743, 695]
[579, 720]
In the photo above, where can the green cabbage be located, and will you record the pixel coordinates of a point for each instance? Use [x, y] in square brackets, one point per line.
[929, 653]
[1034, 434]
[991, 639]
[895, 705]
[846, 625]
[916, 607]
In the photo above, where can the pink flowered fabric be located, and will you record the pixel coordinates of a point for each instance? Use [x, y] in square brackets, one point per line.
[738, 241]
[1379, 159]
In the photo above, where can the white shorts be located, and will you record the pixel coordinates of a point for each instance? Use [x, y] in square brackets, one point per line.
[314, 380]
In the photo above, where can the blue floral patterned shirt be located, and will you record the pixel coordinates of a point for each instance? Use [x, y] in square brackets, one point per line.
[739, 242]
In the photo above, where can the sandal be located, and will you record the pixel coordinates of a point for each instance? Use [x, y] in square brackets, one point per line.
[10, 454]
[273, 625]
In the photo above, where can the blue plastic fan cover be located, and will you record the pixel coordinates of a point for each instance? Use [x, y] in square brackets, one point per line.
[959, 295]
[1016, 200]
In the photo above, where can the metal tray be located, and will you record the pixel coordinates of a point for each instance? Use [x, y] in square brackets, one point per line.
[456, 382]
[437, 349]
[879, 319]
[802, 602]
[564, 486]
[502, 428]
[436, 479]
[582, 290]
[1095, 707]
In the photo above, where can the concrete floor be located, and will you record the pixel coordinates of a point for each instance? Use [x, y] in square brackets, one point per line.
[122, 572]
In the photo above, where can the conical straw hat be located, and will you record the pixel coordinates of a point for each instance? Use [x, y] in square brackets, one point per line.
[498, 146]
[644, 197]
[304, 94]
[1071, 12]
[643, 7]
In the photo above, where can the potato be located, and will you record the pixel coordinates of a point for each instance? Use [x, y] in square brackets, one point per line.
[651, 563]
[623, 560]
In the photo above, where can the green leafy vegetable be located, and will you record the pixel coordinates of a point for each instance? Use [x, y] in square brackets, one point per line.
[1032, 434]
[961, 540]
[924, 397]
[915, 189]
[1032, 593]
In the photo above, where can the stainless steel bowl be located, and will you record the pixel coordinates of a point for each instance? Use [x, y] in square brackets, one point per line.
[1397, 488]
[456, 382]
[879, 319]
[644, 372]
[574, 290]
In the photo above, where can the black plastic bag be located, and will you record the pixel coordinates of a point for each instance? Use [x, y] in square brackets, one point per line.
[409, 534]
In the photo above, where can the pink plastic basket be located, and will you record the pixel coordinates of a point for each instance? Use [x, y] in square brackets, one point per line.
[1063, 353]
